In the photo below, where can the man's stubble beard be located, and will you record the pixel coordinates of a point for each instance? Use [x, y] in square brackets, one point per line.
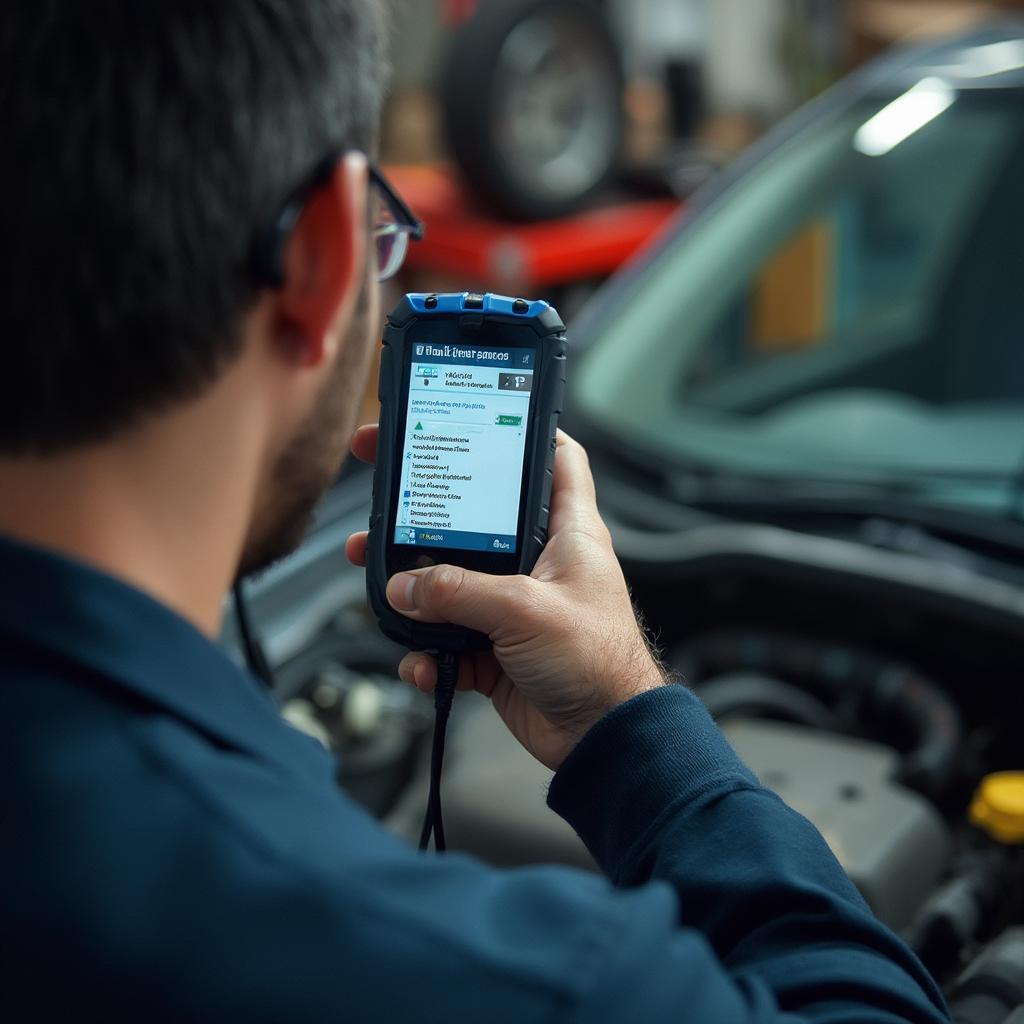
[311, 461]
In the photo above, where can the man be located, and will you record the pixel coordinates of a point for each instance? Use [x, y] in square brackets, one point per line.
[190, 308]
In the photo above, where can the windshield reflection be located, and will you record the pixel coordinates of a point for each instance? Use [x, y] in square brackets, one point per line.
[849, 310]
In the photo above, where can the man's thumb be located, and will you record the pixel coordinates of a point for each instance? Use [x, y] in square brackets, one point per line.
[448, 593]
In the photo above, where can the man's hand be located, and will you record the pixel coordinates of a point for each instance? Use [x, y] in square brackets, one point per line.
[567, 645]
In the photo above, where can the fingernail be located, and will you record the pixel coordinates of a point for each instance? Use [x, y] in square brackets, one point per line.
[400, 591]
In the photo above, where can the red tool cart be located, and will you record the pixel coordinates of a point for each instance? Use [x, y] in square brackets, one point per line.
[465, 247]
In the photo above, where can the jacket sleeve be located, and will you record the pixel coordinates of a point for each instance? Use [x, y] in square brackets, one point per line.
[205, 883]
[769, 928]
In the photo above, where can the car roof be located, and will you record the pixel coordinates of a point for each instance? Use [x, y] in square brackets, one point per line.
[987, 57]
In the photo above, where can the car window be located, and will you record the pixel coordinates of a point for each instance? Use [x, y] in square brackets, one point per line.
[843, 307]
[866, 249]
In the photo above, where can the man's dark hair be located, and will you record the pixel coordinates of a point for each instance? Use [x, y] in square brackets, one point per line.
[143, 146]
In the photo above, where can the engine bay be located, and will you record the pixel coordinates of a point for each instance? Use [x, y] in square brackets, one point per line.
[874, 710]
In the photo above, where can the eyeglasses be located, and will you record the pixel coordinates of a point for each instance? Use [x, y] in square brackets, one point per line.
[394, 224]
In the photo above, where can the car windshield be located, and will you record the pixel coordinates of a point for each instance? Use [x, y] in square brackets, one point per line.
[852, 308]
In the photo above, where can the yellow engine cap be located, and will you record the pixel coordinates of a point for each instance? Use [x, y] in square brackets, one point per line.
[998, 806]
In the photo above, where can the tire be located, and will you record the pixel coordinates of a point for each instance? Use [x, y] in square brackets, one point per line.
[531, 97]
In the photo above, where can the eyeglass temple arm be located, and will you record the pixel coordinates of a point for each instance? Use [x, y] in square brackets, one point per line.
[409, 220]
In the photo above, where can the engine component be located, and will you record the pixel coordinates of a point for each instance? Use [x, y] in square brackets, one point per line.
[854, 681]
[998, 807]
[993, 986]
[984, 889]
[301, 714]
[494, 797]
[746, 693]
[902, 693]
[956, 912]
[890, 841]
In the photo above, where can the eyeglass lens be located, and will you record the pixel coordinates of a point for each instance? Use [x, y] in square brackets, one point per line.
[392, 245]
[390, 237]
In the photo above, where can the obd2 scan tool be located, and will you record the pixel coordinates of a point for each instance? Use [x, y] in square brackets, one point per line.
[471, 391]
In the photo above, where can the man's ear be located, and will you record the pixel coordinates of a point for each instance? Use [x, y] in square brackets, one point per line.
[324, 264]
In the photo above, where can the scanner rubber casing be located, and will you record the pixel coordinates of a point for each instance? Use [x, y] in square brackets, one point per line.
[464, 318]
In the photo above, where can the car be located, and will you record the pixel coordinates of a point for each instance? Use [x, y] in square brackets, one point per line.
[804, 405]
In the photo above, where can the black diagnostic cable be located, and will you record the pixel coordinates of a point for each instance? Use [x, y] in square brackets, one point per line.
[252, 648]
[444, 694]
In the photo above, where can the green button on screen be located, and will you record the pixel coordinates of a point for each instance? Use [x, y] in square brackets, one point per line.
[510, 421]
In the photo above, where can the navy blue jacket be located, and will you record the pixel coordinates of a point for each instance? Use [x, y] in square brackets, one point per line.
[172, 851]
